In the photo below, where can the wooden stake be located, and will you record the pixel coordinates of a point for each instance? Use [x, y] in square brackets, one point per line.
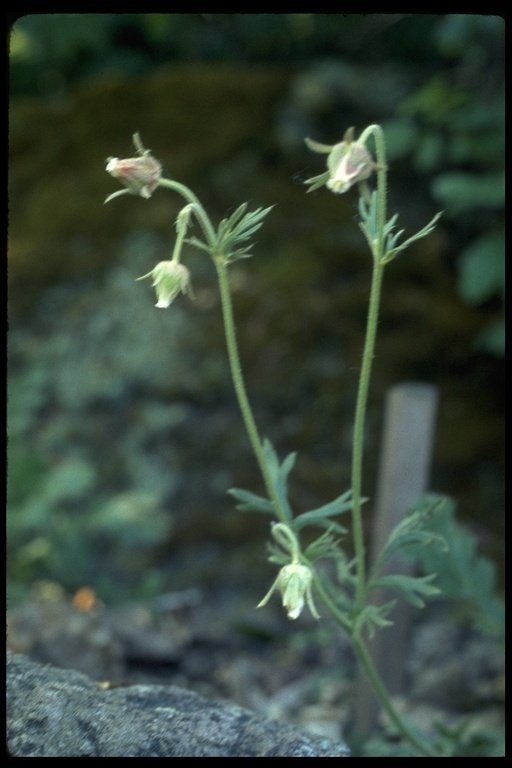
[406, 450]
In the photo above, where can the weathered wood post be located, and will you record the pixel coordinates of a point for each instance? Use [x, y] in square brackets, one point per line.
[404, 469]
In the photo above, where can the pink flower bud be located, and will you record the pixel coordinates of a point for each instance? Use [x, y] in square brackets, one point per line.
[348, 163]
[140, 175]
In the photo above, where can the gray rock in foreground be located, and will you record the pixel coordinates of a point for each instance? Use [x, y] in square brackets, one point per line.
[55, 712]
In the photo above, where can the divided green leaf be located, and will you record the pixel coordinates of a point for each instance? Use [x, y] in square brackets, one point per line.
[279, 474]
[321, 515]
[326, 545]
[373, 616]
[462, 573]
[413, 588]
[414, 529]
[238, 228]
[251, 502]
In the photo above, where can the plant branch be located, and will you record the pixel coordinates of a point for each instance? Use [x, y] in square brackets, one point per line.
[238, 381]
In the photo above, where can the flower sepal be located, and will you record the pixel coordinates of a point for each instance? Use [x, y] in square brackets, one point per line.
[139, 175]
[294, 583]
[348, 163]
[169, 279]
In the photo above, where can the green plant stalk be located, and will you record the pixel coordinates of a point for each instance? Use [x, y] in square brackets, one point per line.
[238, 382]
[358, 439]
[358, 443]
[378, 253]
[180, 236]
[366, 368]
[366, 662]
[380, 689]
[199, 211]
[338, 616]
[380, 145]
[231, 343]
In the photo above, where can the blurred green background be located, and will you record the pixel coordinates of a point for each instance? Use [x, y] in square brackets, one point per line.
[123, 428]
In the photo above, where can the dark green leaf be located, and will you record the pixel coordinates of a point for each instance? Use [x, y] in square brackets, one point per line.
[414, 530]
[197, 243]
[413, 588]
[320, 516]
[373, 616]
[482, 268]
[324, 546]
[251, 502]
[462, 573]
[279, 474]
[238, 228]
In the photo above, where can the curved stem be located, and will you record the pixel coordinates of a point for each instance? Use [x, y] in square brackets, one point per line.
[202, 217]
[380, 146]
[338, 616]
[238, 381]
[229, 328]
[284, 536]
[181, 228]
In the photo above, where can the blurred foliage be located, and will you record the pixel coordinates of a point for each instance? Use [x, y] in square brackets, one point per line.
[453, 129]
[469, 738]
[462, 574]
[49, 51]
[59, 526]
[450, 127]
[55, 532]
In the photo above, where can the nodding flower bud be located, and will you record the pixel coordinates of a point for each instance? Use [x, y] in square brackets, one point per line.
[140, 175]
[294, 583]
[169, 278]
[349, 162]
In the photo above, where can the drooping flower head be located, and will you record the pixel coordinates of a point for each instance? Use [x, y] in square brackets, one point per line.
[169, 279]
[294, 583]
[349, 163]
[139, 175]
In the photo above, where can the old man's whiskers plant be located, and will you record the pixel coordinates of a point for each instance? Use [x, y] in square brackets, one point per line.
[299, 581]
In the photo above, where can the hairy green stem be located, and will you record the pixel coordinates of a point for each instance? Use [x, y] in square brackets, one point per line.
[366, 368]
[359, 425]
[378, 253]
[367, 663]
[178, 245]
[338, 616]
[199, 211]
[381, 691]
[231, 343]
[358, 439]
[238, 381]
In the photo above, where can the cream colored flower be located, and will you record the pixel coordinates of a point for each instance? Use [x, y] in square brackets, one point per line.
[169, 278]
[294, 583]
[349, 162]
